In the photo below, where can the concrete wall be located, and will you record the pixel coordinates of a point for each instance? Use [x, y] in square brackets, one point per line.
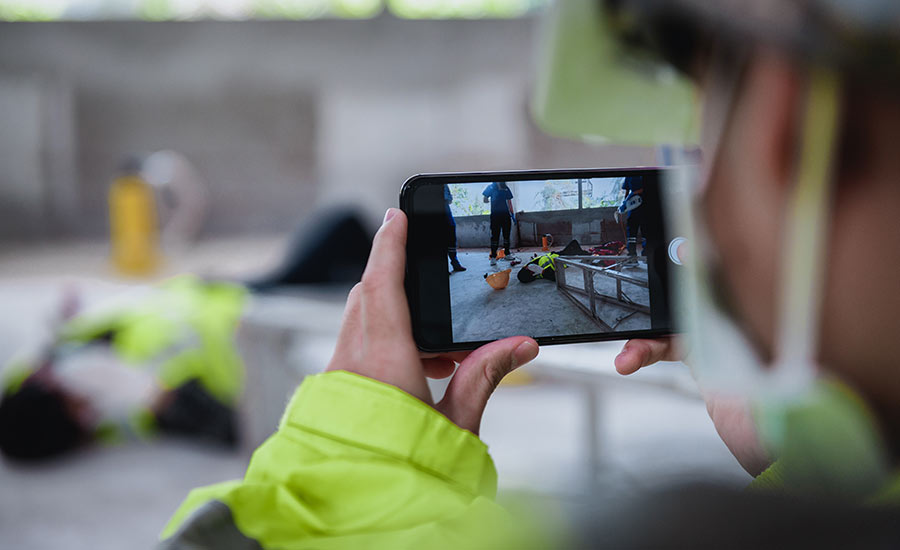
[279, 117]
[590, 226]
[475, 232]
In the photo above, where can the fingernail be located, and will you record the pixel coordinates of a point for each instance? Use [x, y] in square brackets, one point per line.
[525, 352]
[391, 212]
[621, 360]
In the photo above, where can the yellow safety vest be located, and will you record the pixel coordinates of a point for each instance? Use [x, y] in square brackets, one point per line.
[546, 261]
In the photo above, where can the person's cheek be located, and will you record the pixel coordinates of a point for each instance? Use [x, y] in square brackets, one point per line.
[747, 245]
[861, 307]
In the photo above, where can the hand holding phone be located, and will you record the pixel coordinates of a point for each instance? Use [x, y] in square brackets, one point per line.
[376, 339]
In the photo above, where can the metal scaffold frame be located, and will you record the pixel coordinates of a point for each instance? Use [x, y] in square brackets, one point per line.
[589, 266]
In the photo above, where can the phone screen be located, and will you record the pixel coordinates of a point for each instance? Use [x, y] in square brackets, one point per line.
[560, 256]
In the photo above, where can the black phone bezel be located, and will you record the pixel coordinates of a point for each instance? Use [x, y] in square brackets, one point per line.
[412, 282]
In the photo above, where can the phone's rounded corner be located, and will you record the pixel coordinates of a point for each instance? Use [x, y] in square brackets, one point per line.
[407, 188]
[426, 349]
[424, 345]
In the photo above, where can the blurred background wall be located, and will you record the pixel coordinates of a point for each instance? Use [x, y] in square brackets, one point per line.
[280, 117]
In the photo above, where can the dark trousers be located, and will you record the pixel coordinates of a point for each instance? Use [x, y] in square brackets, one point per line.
[451, 238]
[500, 223]
[633, 225]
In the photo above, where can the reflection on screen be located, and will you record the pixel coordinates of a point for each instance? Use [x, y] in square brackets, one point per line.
[550, 257]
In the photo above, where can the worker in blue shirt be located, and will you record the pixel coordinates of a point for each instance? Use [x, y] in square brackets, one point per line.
[502, 217]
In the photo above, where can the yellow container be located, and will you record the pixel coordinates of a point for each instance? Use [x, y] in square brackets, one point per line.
[134, 230]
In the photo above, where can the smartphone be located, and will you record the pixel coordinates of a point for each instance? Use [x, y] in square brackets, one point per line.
[562, 256]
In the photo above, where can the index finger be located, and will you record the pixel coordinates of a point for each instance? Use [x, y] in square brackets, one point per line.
[385, 308]
[387, 260]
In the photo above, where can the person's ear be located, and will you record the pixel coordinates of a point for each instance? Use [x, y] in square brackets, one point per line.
[773, 101]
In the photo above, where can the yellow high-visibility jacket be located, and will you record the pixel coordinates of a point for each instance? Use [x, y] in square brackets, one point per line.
[355, 463]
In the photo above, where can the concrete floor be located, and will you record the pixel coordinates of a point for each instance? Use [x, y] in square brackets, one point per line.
[105, 498]
[535, 309]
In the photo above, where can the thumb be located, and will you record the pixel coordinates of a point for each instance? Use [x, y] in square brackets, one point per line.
[478, 376]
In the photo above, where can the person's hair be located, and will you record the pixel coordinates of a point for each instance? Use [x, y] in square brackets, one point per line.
[35, 423]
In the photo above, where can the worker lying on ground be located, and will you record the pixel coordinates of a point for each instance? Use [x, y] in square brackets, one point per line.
[544, 266]
[539, 267]
[165, 363]
[801, 121]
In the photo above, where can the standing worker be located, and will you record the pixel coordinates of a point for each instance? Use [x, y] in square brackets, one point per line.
[451, 232]
[631, 209]
[502, 217]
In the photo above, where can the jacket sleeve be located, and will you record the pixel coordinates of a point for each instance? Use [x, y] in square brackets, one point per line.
[770, 479]
[355, 463]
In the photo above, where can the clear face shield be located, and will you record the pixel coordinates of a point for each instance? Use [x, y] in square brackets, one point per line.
[822, 433]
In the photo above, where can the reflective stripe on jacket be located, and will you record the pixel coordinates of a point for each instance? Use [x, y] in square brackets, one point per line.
[547, 261]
